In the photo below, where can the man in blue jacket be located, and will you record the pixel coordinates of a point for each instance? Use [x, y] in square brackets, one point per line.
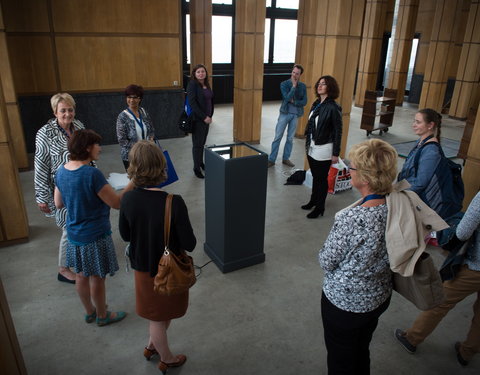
[294, 94]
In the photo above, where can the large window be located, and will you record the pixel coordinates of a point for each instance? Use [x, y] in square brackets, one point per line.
[223, 13]
[280, 35]
[222, 39]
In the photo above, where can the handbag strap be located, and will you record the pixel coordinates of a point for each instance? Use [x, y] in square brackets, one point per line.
[168, 217]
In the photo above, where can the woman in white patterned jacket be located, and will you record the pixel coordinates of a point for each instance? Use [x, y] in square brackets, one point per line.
[51, 153]
[358, 282]
[133, 123]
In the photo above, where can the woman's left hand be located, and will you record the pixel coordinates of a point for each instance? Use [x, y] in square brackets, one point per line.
[334, 159]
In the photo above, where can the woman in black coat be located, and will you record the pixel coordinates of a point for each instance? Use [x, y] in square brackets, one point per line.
[200, 97]
[323, 139]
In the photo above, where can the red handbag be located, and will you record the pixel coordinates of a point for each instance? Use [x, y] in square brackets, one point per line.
[176, 274]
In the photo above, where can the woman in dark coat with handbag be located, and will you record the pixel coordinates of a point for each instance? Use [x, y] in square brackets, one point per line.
[141, 222]
[200, 97]
[323, 137]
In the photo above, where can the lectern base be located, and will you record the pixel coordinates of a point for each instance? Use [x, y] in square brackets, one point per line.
[233, 265]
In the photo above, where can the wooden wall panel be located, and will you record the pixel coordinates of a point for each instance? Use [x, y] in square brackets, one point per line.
[116, 16]
[32, 63]
[14, 227]
[94, 63]
[26, 16]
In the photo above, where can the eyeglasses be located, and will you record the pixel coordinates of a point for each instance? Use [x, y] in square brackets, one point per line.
[322, 84]
[133, 97]
[349, 165]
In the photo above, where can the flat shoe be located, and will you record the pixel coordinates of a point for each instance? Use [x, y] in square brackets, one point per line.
[108, 320]
[62, 278]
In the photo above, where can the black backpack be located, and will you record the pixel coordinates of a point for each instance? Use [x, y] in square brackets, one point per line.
[445, 192]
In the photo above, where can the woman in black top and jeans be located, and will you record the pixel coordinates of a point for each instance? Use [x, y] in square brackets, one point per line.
[200, 97]
[323, 138]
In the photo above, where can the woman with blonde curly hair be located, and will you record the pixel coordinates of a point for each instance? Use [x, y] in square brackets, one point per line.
[358, 281]
[142, 224]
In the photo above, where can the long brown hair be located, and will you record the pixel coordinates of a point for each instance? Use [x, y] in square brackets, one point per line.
[195, 68]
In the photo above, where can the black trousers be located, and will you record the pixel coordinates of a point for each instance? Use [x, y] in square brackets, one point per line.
[347, 337]
[319, 171]
[126, 164]
[199, 138]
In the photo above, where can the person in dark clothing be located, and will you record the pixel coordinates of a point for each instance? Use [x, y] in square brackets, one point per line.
[200, 97]
[323, 137]
[141, 222]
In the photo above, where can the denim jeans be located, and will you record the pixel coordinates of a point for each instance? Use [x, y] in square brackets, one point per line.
[284, 120]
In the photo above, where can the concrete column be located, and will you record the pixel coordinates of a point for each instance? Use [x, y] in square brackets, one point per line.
[201, 34]
[471, 177]
[328, 42]
[467, 89]
[248, 74]
[402, 47]
[441, 44]
[12, 111]
[371, 48]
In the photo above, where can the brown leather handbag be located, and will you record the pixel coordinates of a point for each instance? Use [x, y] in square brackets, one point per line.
[176, 274]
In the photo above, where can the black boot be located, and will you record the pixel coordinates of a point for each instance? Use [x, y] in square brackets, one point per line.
[316, 213]
[198, 173]
[308, 206]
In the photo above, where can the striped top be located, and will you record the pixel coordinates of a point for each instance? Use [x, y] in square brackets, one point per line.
[50, 153]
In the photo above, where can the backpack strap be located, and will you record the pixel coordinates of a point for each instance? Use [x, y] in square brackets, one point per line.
[417, 155]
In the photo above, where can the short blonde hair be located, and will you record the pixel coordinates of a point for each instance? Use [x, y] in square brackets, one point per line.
[61, 97]
[148, 166]
[376, 163]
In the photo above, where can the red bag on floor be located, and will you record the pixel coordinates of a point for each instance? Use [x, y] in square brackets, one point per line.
[339, 178]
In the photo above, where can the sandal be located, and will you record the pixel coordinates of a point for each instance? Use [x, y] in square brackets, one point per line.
[149, 353]
[163, 366]
[108, 320]
[91, 318]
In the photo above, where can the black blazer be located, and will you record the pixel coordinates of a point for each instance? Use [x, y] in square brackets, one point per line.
[196, 98]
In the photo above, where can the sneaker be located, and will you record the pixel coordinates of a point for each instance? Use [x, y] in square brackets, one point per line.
[289, 163]
[402, 339]
[460, 359]
[270, 164]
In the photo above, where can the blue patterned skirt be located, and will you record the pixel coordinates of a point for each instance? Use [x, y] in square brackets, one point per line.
[96, 258]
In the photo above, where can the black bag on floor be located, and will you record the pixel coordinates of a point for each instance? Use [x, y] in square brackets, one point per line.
[296, 178]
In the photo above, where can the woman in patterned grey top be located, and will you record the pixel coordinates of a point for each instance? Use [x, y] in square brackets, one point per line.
[133, 123]
[357, 285]
[51, 153]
